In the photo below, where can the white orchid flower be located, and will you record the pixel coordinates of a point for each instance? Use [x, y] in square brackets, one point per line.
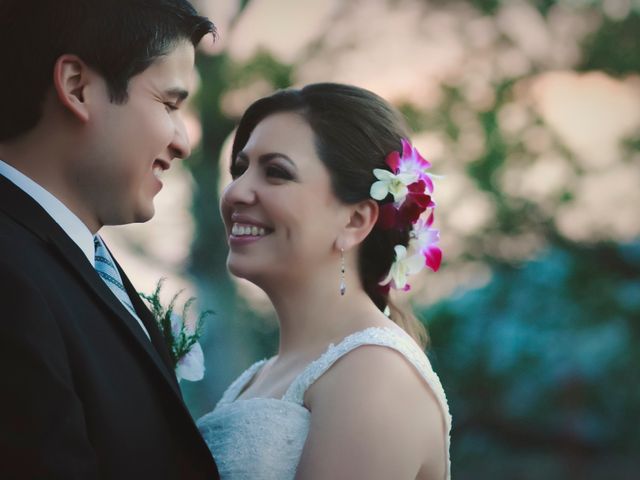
[390, 183]
[191, 366]
[402, 267]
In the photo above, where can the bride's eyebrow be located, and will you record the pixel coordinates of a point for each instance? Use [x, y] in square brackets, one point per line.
[265, 157]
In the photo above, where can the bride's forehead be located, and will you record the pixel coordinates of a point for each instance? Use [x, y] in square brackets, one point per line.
[286, 133]
[283, 126]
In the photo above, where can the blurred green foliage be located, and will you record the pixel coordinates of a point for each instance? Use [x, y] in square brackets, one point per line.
[615, 47]
[541, 363]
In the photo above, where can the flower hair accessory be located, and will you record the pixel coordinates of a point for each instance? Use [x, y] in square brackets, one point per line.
[411, 188]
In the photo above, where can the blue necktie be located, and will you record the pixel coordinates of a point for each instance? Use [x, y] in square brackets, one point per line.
[106, 268]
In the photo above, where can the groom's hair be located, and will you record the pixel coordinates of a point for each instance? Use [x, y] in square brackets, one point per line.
[117, 38]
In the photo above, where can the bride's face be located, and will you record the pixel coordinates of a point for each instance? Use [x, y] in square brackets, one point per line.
[280, 214]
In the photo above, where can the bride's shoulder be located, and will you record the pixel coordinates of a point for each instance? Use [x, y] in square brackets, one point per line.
[382, 368]
[375, 389]
[379, 364]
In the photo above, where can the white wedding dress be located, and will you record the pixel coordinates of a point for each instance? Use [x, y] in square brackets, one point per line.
[262, 438]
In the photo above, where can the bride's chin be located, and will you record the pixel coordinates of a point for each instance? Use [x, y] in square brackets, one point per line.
[260, 279]
[236, 271]
[242, 272]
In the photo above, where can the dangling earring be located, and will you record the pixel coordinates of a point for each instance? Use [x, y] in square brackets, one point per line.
[343, 286]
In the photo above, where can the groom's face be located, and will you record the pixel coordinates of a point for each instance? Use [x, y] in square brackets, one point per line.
[136, 141]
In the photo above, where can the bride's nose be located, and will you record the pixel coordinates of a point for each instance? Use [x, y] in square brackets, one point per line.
[240, 191]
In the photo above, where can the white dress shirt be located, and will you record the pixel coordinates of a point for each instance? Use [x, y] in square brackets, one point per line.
[68, 221]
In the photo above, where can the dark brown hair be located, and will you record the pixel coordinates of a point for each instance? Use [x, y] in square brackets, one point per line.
[117, 38]
[354, 131]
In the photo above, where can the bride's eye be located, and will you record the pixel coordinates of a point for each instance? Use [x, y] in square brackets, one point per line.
[236, 169]
[276, 171]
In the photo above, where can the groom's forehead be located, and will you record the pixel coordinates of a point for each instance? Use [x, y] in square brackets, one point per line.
[173, 72]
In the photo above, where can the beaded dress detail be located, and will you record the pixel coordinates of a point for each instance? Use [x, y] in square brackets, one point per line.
[263, 438]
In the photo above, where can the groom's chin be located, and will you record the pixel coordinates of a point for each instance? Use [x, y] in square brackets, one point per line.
[144, 212]
[146, 216]
[121, 217]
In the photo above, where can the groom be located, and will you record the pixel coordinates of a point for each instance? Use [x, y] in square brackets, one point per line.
[90, 117]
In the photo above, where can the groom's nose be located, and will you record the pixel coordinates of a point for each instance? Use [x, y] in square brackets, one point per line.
[180, 146]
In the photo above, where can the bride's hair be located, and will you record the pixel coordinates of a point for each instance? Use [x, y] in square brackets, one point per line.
[354, 131]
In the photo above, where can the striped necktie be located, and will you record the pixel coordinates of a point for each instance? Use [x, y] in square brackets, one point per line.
[106, 268]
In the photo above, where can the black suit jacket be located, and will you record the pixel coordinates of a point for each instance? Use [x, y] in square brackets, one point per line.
[84, 394]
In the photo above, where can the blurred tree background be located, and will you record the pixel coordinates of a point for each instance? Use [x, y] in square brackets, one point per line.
[531, 112]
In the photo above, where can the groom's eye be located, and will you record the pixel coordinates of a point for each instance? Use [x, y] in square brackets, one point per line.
[170, 107]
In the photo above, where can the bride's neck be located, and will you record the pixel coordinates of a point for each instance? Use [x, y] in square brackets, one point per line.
[311, 317]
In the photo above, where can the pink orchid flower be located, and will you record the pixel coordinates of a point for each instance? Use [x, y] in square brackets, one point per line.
[427, 238]
[410, 162]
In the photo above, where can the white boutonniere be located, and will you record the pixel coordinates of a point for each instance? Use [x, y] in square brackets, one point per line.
[180, 336]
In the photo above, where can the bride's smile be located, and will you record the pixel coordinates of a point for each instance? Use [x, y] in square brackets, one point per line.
[245, 229]
[271, 209]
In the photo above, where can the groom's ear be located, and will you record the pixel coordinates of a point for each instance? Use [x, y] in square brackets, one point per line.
[71, 78]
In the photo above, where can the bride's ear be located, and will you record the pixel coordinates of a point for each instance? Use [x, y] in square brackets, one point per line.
[362, 219]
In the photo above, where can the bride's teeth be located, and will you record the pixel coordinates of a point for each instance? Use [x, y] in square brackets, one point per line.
[157, 171]
[240, 230]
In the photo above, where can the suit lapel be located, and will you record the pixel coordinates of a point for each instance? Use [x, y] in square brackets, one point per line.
[73, 256]
[149, 322]
[25, 211]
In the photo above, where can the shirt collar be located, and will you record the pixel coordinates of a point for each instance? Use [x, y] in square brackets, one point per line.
[68, 221]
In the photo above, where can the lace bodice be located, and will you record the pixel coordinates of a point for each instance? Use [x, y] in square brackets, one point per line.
[263, 438]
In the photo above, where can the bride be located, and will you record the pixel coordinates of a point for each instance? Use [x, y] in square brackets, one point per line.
[327, 192]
